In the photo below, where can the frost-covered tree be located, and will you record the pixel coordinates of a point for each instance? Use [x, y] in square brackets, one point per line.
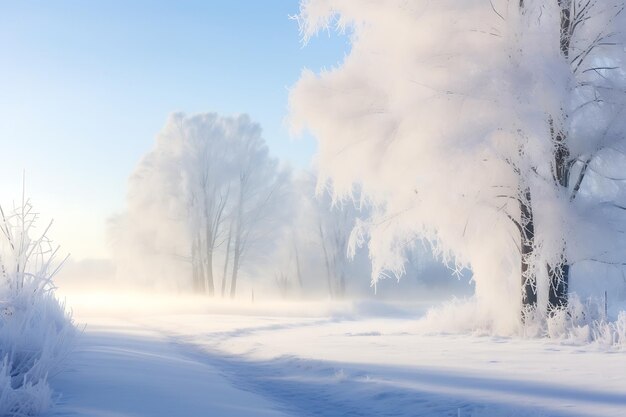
[207, 194]
[314, 256]
[493, 129]
[591, 47]
[261, 203]
[207, 163]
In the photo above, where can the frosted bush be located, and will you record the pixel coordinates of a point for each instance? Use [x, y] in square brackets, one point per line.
[586, 322]
[582, 323]
[611, 334]
[36, 333]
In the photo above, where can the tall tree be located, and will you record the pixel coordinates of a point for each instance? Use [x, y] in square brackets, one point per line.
[476, 125]
[576, 45]
[211, 182]
[262, 193]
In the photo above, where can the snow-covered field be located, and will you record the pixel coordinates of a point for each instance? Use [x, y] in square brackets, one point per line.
[322, 360]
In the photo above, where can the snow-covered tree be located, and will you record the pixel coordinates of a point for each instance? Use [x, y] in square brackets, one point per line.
[262, 201]
[314, 256]
[492, 129]
[207, 194]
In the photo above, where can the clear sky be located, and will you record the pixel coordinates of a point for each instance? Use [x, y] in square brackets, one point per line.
[86, 85]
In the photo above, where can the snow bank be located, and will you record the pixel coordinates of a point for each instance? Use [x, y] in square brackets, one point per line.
[36, 332]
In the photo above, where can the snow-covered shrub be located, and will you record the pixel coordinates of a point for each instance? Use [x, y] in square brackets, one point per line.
[574, 322]
[36, 333]
[586, 322]
[581, 323]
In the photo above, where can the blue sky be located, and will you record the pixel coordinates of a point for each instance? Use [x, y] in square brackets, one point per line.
[86, 85]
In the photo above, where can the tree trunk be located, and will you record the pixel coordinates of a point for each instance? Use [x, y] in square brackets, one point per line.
[237, 248]
[298, 270]
[209, 272]
[326, 261]
[197, 266]
[210, 242]
[195, 273]
[559, 274]
[233, 282]
[559, 283]
[230, 234]
[527, 245]
[527, 234]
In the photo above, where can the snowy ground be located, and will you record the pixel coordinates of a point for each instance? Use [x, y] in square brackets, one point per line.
[122, 370]
[254, 362]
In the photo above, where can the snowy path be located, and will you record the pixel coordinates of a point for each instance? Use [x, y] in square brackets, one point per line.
[124, 371]
[230, 365]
